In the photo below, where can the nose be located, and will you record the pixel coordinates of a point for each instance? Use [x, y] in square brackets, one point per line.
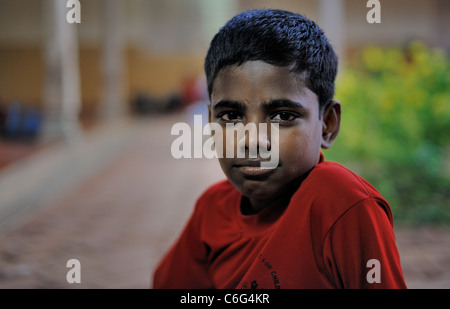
[260, 138]
[256, 138]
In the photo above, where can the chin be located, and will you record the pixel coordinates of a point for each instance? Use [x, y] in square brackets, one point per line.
[257, 190]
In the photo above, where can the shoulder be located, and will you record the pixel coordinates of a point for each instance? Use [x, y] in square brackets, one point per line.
[332, 190]
[331, 180]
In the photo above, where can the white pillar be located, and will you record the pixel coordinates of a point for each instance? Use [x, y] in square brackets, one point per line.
[332, 21]
[112, 60]
[62, 96]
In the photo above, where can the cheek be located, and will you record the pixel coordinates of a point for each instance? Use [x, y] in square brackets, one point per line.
[293, 144]
[226, 165]
[299, 146]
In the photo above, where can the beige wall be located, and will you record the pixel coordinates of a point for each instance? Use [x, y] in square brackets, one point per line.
[401, 20]
[22, 74]
[167, 39]
[307, 8]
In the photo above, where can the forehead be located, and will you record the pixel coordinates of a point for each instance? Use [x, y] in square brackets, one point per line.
[258, 81]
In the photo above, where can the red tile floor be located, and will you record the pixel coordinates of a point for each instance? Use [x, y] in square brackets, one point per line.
[121, 218]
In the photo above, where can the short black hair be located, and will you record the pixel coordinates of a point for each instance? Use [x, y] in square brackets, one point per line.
[280, 38]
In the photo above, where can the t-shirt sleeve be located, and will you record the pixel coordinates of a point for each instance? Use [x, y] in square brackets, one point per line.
[184, 266]
[360, 251]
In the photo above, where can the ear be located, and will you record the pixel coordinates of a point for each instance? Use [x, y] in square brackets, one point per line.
[331, 122]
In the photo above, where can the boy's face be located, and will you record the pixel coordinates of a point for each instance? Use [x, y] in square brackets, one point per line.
[258, 92]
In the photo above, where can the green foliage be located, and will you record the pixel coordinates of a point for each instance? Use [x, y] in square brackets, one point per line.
[395, 128]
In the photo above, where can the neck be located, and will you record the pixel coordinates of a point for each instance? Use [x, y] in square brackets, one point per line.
[251, 206]
[255, 206]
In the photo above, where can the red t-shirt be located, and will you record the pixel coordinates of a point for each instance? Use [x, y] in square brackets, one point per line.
[336, 232]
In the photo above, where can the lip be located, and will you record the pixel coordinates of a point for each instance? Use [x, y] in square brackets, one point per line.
[253, 169]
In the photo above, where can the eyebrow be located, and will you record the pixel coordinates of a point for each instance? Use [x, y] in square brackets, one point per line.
[283, 103]
[274, 104]
[229, 104]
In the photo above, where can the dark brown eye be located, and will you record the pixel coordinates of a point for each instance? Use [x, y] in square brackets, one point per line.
[230, 116]
[283, 116]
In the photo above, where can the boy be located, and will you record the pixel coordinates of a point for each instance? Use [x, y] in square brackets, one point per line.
[307, 223]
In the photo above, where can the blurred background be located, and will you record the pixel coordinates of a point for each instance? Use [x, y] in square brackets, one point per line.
[86, 111]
